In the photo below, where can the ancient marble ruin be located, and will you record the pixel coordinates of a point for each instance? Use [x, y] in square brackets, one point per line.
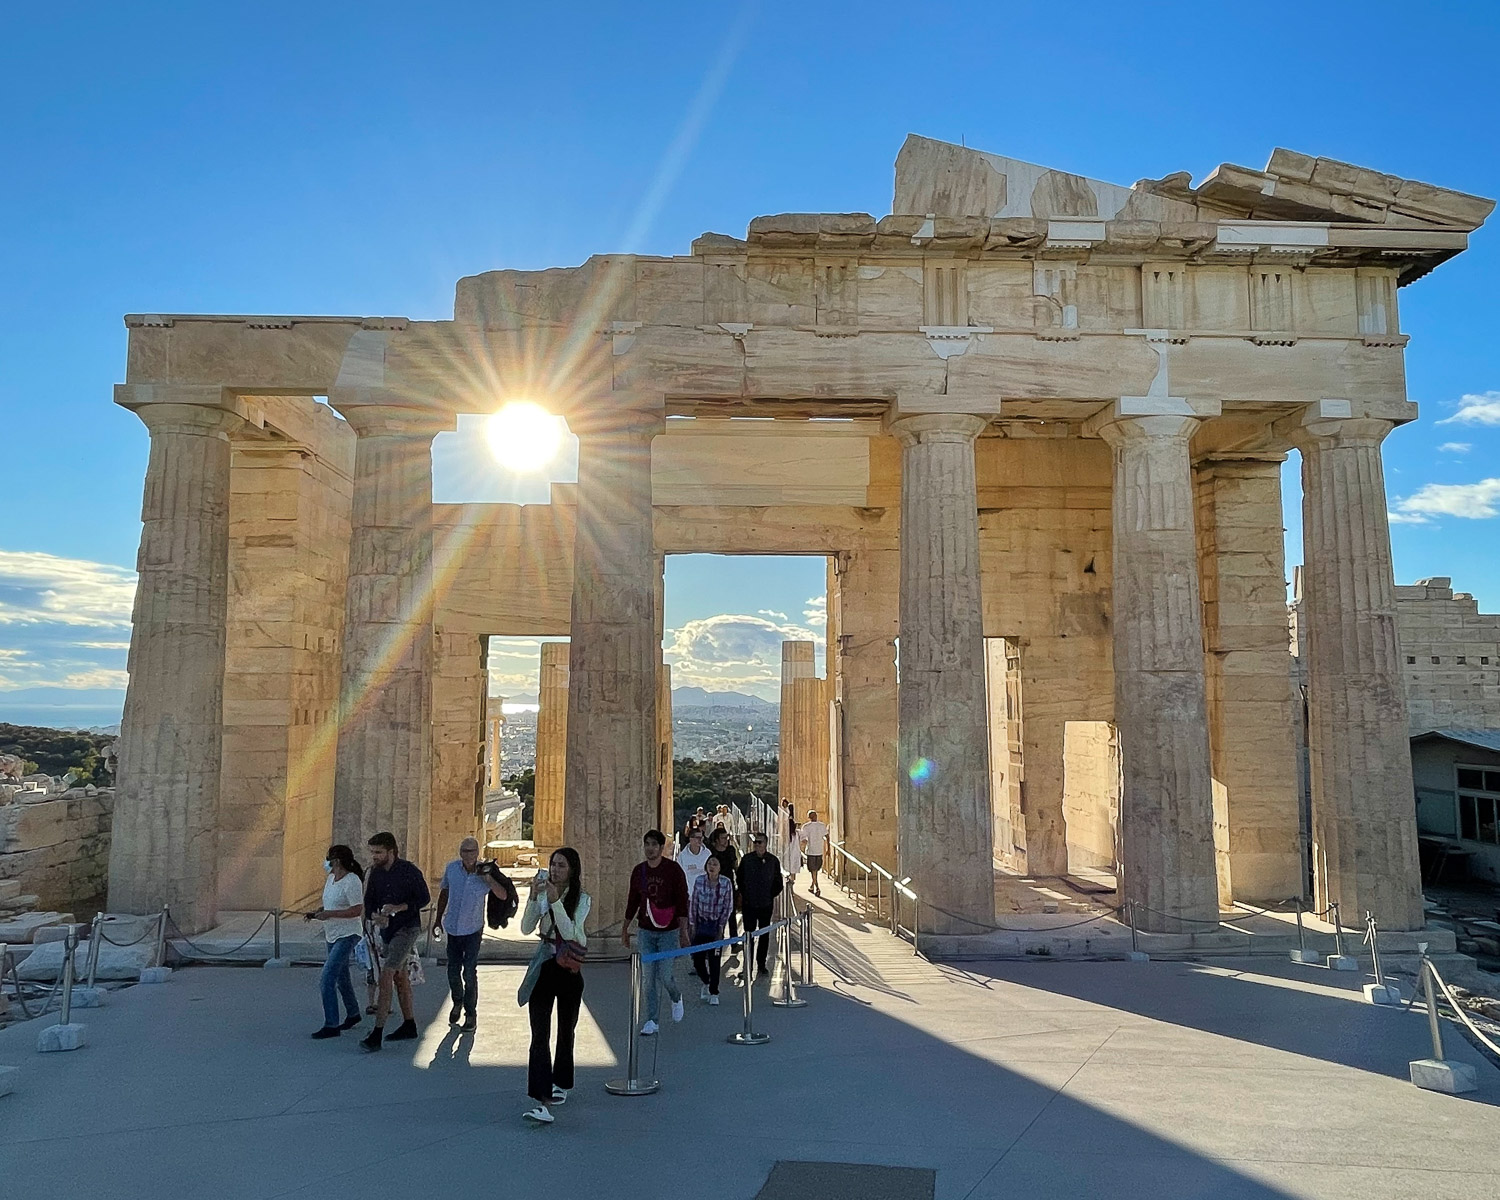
[1035, 422]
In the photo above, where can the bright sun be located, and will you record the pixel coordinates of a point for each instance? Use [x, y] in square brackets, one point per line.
[524, 436]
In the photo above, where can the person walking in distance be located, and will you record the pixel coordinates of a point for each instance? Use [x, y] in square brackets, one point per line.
[343, 904]
[712, 904]
[793, 846]
[722, 847]
[467, 885]
[394, 897]
[692, 857]
[658, 902]
[556, 911]
[760, 882]
[814, 841]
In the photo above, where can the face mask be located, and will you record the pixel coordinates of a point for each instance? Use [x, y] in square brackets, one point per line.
[327, 867]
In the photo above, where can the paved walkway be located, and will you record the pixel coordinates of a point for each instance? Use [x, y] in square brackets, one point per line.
[1246, 1081]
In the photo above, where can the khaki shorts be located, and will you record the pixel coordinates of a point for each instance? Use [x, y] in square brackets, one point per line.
[394, 953]
[814, 863]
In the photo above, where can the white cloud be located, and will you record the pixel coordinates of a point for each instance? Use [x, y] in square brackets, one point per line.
[772, 614]
[1473, 501]
[1455, 447]
[734, 652]
[1398, 518]
[815, 610]
[1480, 408]
[37, 589]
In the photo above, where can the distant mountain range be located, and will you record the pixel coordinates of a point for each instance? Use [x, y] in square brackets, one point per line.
[697, 697]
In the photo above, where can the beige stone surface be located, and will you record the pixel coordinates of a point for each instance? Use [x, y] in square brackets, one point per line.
[171, 737]
[1166, 804]
[1091, 794]
[804, 728]
[551, 747]
[944, 825]
[54, 853]
[1452, 657]
[1364, 824]
[614, 653]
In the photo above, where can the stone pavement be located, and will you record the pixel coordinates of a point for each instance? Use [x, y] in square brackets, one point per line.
[1247, 1080]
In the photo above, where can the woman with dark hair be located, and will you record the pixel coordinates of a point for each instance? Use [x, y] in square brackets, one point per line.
[556, 910]
[343, 907]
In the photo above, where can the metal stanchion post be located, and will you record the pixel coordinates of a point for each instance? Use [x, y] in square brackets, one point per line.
[161, 937]
[1302, 954]
[1378, 992]
[1136, 953]
[633, 1084]
[807, 949]
[747, 1036]
[788, 998]
[1340, 961]
[70, 947]
[276, 934]
[1438, 1073]
[65, 1035]
[96, 933]
[1429, 995]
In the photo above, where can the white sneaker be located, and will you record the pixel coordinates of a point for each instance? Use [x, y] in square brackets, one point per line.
[703, 992]
[676, 1010]
[559, 1095]
[714, 1000]
[539, 1114]
[649, 1028]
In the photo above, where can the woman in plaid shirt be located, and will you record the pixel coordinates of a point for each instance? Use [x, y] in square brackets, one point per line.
[712, 902]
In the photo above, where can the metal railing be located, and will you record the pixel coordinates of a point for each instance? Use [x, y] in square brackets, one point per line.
[1434, 985]
[892, 902]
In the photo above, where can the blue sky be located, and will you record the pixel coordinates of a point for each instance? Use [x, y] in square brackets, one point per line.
[359, 158]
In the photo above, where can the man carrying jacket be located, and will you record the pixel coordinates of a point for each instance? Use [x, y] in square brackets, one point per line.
[760, 882]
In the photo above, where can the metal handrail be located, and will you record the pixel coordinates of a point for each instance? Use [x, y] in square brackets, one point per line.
[889, 892]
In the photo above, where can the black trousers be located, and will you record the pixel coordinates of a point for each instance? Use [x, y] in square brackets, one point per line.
[758, 918]
[544, 1069]
[706, 962]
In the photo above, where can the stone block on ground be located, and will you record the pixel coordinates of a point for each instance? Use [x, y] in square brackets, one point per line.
[71, 1036]
[155, 974]
[1382, 993]
[88, 997]
[1343, 962]
[116, 962]
[1443, 1075]
[9, 890]
[21, 929]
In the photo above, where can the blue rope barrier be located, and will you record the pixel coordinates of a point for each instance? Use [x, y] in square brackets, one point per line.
[699, 949]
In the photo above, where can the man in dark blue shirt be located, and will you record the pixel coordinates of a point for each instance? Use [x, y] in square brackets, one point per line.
[395, 894]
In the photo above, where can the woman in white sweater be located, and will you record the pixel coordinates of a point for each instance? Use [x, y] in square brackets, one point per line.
[556, 910]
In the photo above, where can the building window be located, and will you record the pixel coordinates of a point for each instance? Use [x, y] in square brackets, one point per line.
[1479, 805]
[1485, 660]
[1462, 660]
[1436, 659]
[1411, 660]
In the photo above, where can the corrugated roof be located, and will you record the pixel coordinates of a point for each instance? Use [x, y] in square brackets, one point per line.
[1484, 739]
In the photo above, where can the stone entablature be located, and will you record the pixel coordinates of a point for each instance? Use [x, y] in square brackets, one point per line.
[1098, 376]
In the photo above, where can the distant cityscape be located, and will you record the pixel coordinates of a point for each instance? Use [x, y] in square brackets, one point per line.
[714, 732]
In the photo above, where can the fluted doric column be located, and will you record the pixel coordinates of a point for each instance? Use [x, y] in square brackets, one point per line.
[383, 771]
[164, 848]
[945, 834]
[1364, 818]
[1166, 838]
[548, 803]
[614, 649]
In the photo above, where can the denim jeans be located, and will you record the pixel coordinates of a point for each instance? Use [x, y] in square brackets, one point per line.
[463, 976]
[335, 981]
[652, 941]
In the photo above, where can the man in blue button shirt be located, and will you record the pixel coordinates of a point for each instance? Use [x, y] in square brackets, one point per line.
[467, 886]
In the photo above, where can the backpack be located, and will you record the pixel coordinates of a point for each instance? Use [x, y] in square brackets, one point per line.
[499, 910]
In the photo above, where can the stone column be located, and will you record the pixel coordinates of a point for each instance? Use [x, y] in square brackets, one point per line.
[164, 848]
[1166, 805]
[383, 772]
[945, 833]
[551, 748]
[797, 662]
[1364, 817]
[613, 655]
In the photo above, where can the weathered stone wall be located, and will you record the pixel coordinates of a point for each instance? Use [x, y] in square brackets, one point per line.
[1091, 794]
[57, 846]
[1451, 657]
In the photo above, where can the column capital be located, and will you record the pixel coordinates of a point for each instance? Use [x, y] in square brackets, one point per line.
[937, 427]
[1142, 418]
[1336, 432]
[193, 419]
[372, 415]
[617, 421]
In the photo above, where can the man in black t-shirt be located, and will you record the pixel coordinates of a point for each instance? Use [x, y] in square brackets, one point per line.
[395, 894]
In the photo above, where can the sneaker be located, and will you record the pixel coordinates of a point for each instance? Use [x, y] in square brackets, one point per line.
[539, 1114]
[455, 1014]
[406, 1032]
[351, 1021]
[327, 1031]
[703, 992]
[676, 1010]
[714, 1001]
[648, 1028]
[372, 1042]
[559, 1095]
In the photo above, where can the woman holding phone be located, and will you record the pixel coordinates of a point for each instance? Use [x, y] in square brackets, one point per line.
[556, 910]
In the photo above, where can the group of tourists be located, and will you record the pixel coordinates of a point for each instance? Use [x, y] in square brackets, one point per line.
[687, 901]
